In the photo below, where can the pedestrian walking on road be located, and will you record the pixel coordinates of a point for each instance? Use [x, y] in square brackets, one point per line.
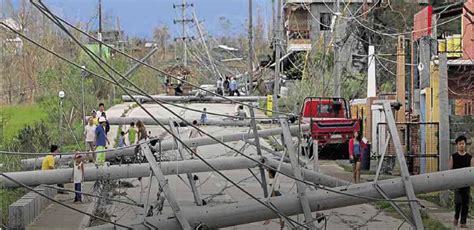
[121, 143]
[219, 85]
[356, 147]
[78, 176]
[194, 133]
[101, 141]
[132, 134]
[233, 87]
[225, 85]
[142, 133]
[461, 159]
[89, 136]
[204, 116]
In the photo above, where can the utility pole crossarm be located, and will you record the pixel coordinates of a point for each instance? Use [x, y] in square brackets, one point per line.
[163, 182]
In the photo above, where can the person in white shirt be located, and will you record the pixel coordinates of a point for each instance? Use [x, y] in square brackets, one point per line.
[219, 86]
[89, 136]
[78, 176]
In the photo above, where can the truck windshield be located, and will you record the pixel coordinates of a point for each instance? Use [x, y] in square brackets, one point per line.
[324, 109]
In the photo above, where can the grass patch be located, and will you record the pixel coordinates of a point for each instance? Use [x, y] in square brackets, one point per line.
[18, 116]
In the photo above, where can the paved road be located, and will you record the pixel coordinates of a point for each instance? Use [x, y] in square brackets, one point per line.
[214, 189]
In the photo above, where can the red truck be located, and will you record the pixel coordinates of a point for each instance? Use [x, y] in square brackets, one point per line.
[331, 125]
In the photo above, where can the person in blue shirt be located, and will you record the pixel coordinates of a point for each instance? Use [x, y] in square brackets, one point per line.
[233, 87]
[101, 141]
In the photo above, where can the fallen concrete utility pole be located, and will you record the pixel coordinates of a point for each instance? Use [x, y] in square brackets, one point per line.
[35, 163]
[245, 211]
[212, 122]
[60, 176]
[308, 175]
[113, 172]
[183, 99]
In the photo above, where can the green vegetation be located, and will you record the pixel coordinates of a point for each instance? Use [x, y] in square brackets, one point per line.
[18, 116]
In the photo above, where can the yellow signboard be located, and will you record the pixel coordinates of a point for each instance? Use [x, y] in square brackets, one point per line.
[269, 105]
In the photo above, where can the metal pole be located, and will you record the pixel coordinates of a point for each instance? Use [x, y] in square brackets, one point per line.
[100, 28]
[277, 46]
[201, 35]
[337, 72]
[407, 183]
[183, 12]
[61, 138]
[245, 211]
[300, 186]
[259, 152]
[249, 80]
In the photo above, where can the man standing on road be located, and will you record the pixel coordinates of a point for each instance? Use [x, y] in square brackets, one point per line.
[101, 141]
[461, 159]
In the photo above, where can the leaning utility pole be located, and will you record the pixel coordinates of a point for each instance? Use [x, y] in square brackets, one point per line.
[99, 36]
[183, 22]
[277, 46]
[249, 84]
[337, 72]
[249, 81]
[201, 36]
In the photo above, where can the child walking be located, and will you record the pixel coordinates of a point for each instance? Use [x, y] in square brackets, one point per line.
[132, 133]
[121, 143]
[204, 117]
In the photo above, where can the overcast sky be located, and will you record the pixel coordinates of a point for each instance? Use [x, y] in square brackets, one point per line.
[139, 17]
